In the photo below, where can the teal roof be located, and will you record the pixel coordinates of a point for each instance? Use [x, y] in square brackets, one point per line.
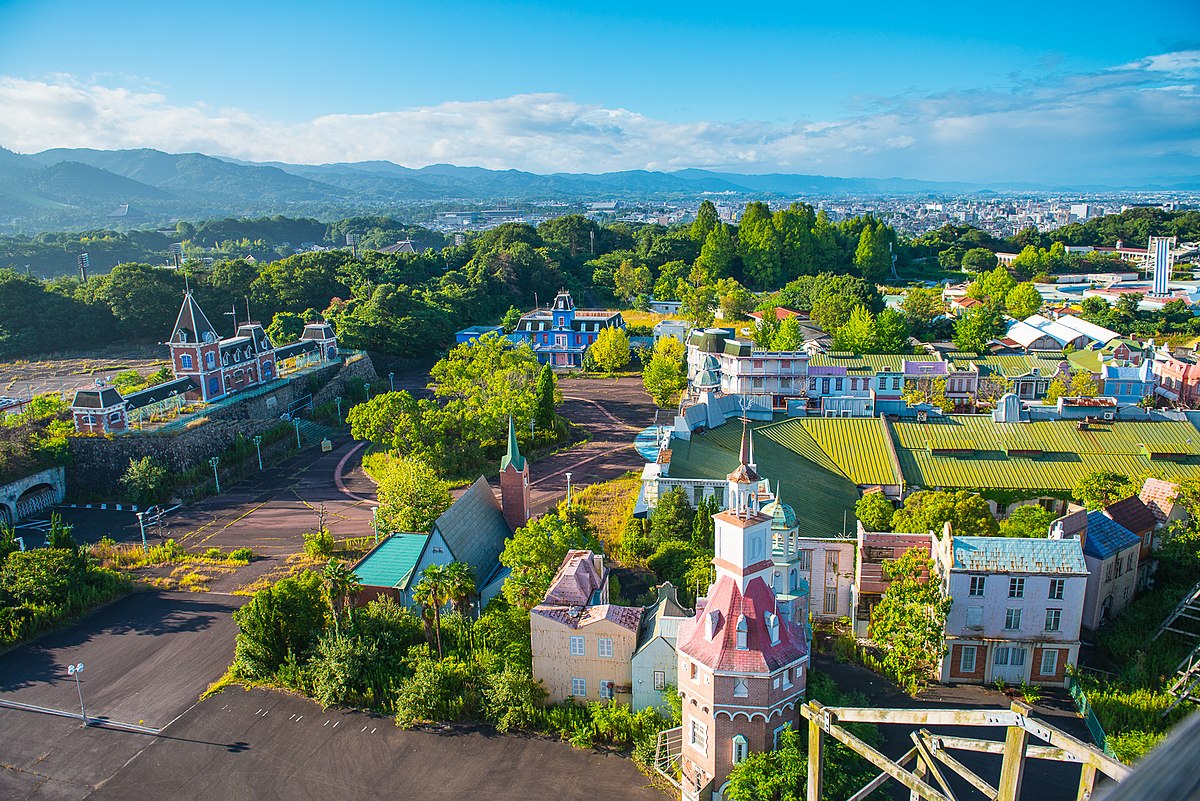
[391, 563]
[1019, 555]
[513, 455]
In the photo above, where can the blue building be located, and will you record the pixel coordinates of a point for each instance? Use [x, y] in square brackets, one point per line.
[1128, 384]
[476, 332]
[560, 335]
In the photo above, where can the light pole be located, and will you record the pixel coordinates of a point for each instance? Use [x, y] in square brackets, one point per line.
[75, 670]
[258, 448]
[367, 389]
[296, 422]
[338, 401]
[141, 516]
[392, 381]
[375, 522]
[213, 462]
[568, 488]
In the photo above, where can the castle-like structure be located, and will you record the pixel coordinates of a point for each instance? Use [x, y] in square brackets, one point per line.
[743, 657]
[207, 367]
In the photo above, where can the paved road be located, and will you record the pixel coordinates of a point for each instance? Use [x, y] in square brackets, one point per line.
[88, 525]
[147, 658]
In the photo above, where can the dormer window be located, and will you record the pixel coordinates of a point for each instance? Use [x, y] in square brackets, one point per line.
[712, 624]
[773, 627]
[181, 335]
[742, 633]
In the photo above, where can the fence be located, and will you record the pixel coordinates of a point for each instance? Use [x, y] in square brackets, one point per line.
[1089, 717]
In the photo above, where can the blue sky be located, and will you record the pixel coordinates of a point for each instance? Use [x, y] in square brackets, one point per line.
[1021, 91]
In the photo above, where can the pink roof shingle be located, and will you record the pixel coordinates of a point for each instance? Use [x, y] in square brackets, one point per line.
[721, 652]
[1159, 496]
[577, 617]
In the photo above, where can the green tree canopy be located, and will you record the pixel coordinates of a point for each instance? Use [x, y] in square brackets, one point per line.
[666, 374]
[1022, 301]
[411, 496]
[1027, 520]
[874, 510]
[611, 351]
[533, 554]
[1103, 488]
[967, 513]
[909, 622]
[979, 260]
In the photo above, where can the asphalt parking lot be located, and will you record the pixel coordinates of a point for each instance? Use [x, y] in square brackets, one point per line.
[259, 744]
[147, 658]
[87, 525]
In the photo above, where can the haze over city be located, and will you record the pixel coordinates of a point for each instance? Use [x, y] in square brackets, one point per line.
[1037, 93]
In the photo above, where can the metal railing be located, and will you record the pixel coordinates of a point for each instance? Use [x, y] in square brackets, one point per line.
[1084, 706]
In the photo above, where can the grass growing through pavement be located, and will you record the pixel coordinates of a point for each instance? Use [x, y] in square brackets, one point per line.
[608, 506]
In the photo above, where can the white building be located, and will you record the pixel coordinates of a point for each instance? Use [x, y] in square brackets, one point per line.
[654, 659]
[1017, 608]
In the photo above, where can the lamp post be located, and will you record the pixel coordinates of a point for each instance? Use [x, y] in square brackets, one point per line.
[338, 401]
[392, 381]
[141, 516]
[258, 448]
[367, 389]
[74, 671]
[568, 488]
[375, 522]
[213, 462]
[296, 423]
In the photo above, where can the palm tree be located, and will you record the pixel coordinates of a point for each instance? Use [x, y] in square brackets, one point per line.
[461, 580]
[432, 593]
[342, 584]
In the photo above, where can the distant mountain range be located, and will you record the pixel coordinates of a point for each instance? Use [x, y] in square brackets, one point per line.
[78, 186]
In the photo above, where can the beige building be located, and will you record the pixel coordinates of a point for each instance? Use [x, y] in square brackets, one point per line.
[583, 645]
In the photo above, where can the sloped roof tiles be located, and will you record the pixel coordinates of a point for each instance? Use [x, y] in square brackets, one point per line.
[1018, 555]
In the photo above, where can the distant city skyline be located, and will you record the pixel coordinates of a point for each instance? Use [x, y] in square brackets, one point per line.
[1035, 93]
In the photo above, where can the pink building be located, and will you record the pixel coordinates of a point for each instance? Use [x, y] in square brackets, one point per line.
[741, 661]
[1178, 378]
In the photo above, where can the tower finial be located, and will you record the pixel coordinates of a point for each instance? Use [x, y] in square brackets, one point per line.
[513, 455]
[747, 447]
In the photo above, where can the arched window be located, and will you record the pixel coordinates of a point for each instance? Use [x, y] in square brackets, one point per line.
[185, 361]
[741, 748]
[210, 360]
[742, 631]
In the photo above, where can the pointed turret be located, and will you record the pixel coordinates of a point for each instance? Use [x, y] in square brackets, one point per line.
[191, 325]
[514, 482]
[513, 456]
[745, 472]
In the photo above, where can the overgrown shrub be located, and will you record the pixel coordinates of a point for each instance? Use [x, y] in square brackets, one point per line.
[318, 544]
[279, 621]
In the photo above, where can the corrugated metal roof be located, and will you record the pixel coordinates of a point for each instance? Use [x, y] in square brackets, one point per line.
[391, 563]
[857, 446]
[875, 362]
[1018, 555]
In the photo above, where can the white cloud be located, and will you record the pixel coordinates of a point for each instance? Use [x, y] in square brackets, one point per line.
[1102, 127]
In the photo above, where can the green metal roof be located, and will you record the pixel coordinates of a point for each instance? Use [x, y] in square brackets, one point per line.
[974, 452]
[873, 362]
[818, 492]
[855, 447]
[1009, 365]
[513, 455]
[391, 563]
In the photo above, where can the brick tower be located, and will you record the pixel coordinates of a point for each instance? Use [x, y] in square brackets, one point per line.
[742, 665]
[514, 483]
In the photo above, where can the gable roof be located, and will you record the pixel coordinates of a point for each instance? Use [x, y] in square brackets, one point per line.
[576, 581]
[667, 606]
[192, 320]
[1019, 555]
[474, 530]
[391, 563]
[578, 616]
[1105, 537]
[160, 392]
[1132, 514]
[1159, 496]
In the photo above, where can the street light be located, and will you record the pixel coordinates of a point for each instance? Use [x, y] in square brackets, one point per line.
[213, 462]
[258, 447]
[568, 488]
[141, 516]
[338, 401]
[75, 670]
[392, 381]
[375, 522]
[296, 422]
[367, 389]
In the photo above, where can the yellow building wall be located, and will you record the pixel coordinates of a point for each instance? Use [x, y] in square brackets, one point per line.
[554, 666]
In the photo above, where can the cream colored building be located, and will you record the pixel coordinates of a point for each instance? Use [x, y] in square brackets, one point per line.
[583, 645]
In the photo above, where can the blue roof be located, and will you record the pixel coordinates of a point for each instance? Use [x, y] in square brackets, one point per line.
[1106, 537]
[1018, 555]
[391, 563]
